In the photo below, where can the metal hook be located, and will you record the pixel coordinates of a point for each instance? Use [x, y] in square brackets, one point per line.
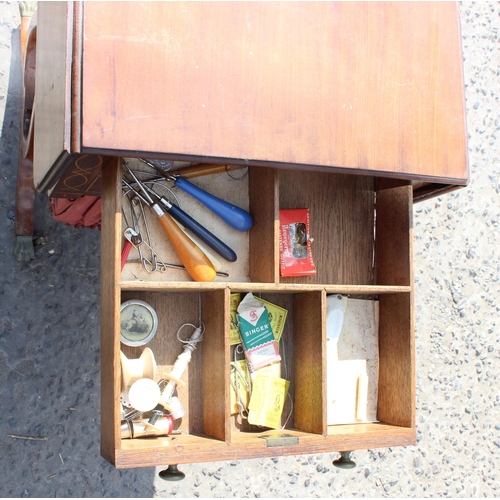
[133, 236]
[240, 178]
[158, 182]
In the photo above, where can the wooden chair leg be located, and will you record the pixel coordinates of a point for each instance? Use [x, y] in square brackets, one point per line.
[25, 211]
[25, 192]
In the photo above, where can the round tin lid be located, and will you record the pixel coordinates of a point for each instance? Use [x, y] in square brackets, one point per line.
[138, 323]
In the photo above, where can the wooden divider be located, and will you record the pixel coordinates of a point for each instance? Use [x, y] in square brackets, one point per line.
[110, 312]
[394, 235]
[263, 244]
[309, 331]
[215, 386]
[396, 385]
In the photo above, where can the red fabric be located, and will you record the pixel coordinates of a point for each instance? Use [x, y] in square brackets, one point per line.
[79, 212]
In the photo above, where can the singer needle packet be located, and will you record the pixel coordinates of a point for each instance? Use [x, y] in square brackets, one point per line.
[257, 334]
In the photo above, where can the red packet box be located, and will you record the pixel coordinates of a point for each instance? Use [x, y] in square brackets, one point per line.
[295, 243]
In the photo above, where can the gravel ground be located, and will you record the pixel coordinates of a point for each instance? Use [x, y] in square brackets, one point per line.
[49, 337]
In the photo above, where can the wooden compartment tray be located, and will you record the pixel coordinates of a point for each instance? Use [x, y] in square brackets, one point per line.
[362, 230]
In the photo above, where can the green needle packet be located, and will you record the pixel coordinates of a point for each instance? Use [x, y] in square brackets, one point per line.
[256, 333]
[277, 317]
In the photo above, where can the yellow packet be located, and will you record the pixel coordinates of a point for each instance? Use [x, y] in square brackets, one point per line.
[267, 401]
[277, 317]
[234, 337]
[239, 384]
[273, 370]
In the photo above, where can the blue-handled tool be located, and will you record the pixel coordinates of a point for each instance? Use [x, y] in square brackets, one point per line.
[232, 215]
[202, 232]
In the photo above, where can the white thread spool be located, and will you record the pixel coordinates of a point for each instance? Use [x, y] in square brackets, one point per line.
[144, 394]
[174, 406]
[135, 369]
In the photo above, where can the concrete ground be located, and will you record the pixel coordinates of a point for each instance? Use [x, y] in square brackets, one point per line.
[49, 337]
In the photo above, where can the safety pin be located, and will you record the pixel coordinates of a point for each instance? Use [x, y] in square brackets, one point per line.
[243, 411]
[236, 384]
[234, 367]
[155, 263]
[137, 241]
[152, 263]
